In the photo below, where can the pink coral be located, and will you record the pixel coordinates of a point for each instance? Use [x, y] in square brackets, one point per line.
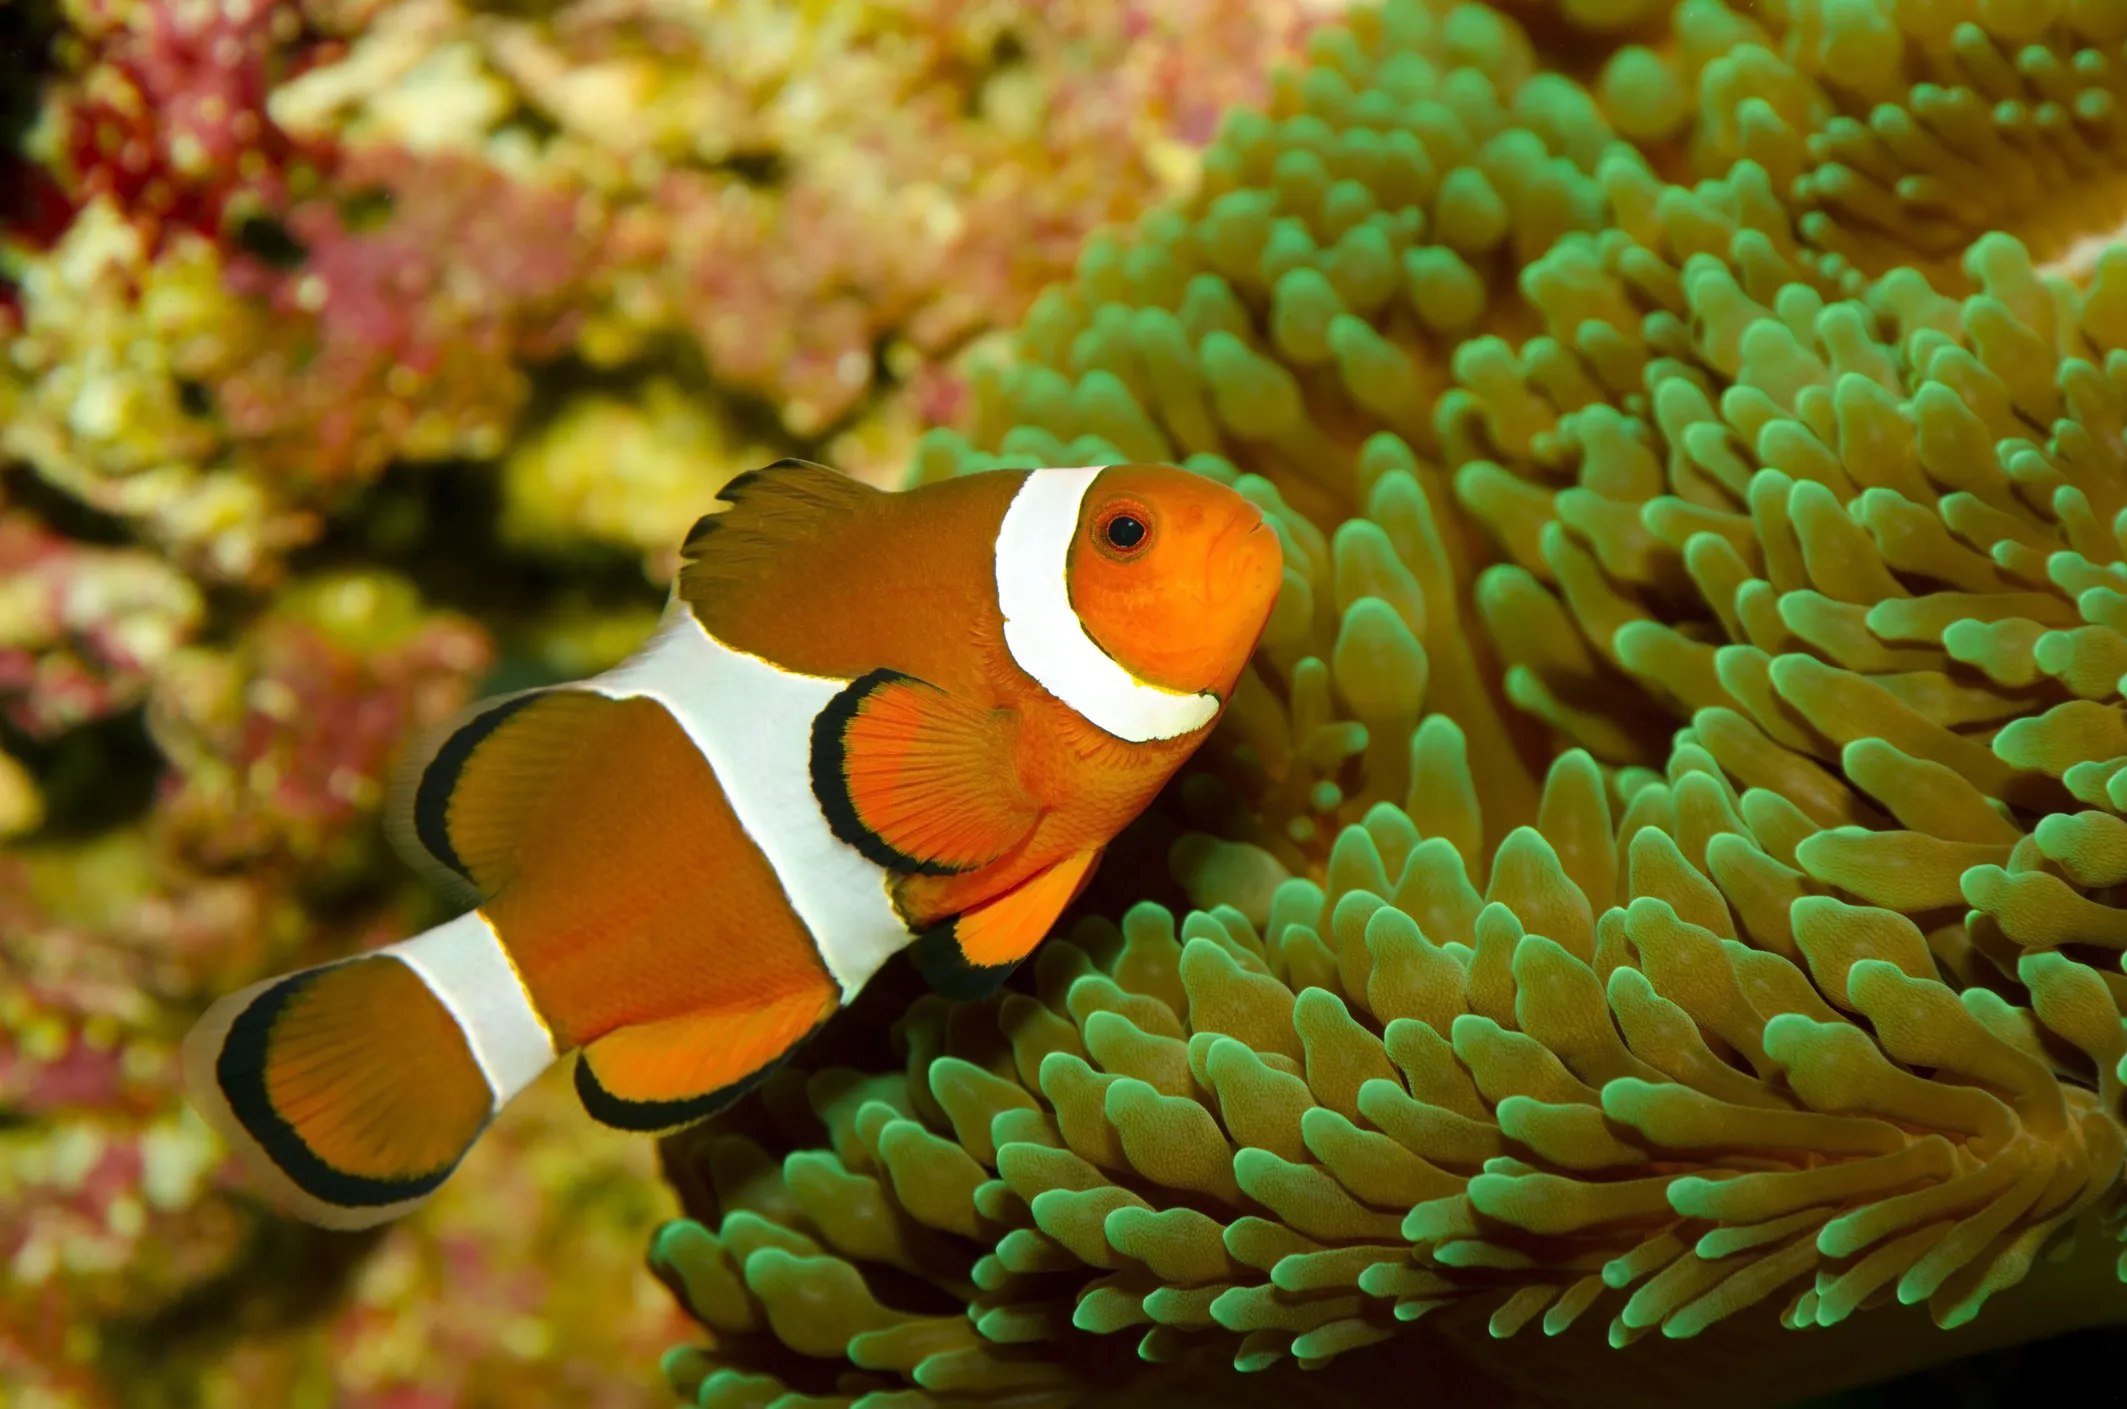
[402, 336]
[278, 749]
[949, 172]
[283, 747]
[171, 120]
[82, 629]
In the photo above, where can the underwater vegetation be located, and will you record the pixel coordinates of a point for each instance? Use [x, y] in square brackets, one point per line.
[1655, 900]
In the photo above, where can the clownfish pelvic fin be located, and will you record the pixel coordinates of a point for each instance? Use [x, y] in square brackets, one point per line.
[970, 955]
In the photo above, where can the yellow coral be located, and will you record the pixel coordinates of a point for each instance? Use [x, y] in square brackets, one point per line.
[631, 473]
[111, 337]
[21, 801]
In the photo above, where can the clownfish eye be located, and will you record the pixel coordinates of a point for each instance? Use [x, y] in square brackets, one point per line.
[1122, 530]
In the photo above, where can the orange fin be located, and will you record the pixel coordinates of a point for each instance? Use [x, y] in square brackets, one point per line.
[459, 812]
[918, 779]
[969, 955]
[662, 1074]
[772, 510]
[349, 1088]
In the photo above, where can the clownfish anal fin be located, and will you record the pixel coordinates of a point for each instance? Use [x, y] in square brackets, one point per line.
[672, 1071]
[459, 812]
[917, 779]
[968, 956]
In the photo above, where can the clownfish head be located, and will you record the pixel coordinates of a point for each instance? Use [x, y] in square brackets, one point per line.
[1173, 575]
[1135, 593]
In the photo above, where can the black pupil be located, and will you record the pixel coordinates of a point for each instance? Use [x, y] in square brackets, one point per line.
[1125, 532]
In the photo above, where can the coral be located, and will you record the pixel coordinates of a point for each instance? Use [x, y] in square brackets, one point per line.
[111, 338]
[673, 451]
[401, 335]
[219, 405]
[281, 748]
[82, 629]
[259, 849]
[289, 243]
[170, 120]
[912, 173]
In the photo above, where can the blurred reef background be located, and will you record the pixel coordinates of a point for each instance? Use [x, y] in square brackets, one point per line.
[1651, 920]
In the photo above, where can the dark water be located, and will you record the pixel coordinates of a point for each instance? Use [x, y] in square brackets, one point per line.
[2085, 1369]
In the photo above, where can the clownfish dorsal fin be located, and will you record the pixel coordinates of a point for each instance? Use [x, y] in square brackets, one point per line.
[772, 509]
[917, 779]
[459, 810]
[968, 956]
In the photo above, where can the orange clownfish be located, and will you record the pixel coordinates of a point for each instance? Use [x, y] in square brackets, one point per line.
[868, 722]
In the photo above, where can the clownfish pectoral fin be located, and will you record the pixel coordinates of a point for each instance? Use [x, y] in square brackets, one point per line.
[917, 779]
[968, 956]
[658, 1075]
[459, 810]
[353, 1089]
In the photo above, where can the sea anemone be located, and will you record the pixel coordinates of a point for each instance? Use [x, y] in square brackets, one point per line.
[1896, 134]
[1661, 871]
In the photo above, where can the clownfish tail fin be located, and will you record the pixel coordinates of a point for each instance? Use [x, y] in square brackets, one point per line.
[354, 1088]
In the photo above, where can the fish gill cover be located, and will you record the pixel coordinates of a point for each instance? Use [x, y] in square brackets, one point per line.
[1658, 882]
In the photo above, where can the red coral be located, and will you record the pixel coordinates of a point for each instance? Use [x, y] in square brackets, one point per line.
[170, 120]
[85, 627]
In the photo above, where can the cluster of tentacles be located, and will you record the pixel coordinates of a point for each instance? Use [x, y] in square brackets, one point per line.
[1409, 1091]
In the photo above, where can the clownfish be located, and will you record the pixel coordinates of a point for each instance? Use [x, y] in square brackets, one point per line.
[867, 722]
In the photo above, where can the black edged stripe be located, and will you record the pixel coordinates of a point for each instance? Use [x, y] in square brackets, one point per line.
[240, 1070]
[649, 1117]
[830, 779]
[947, 970]
[432, 798]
